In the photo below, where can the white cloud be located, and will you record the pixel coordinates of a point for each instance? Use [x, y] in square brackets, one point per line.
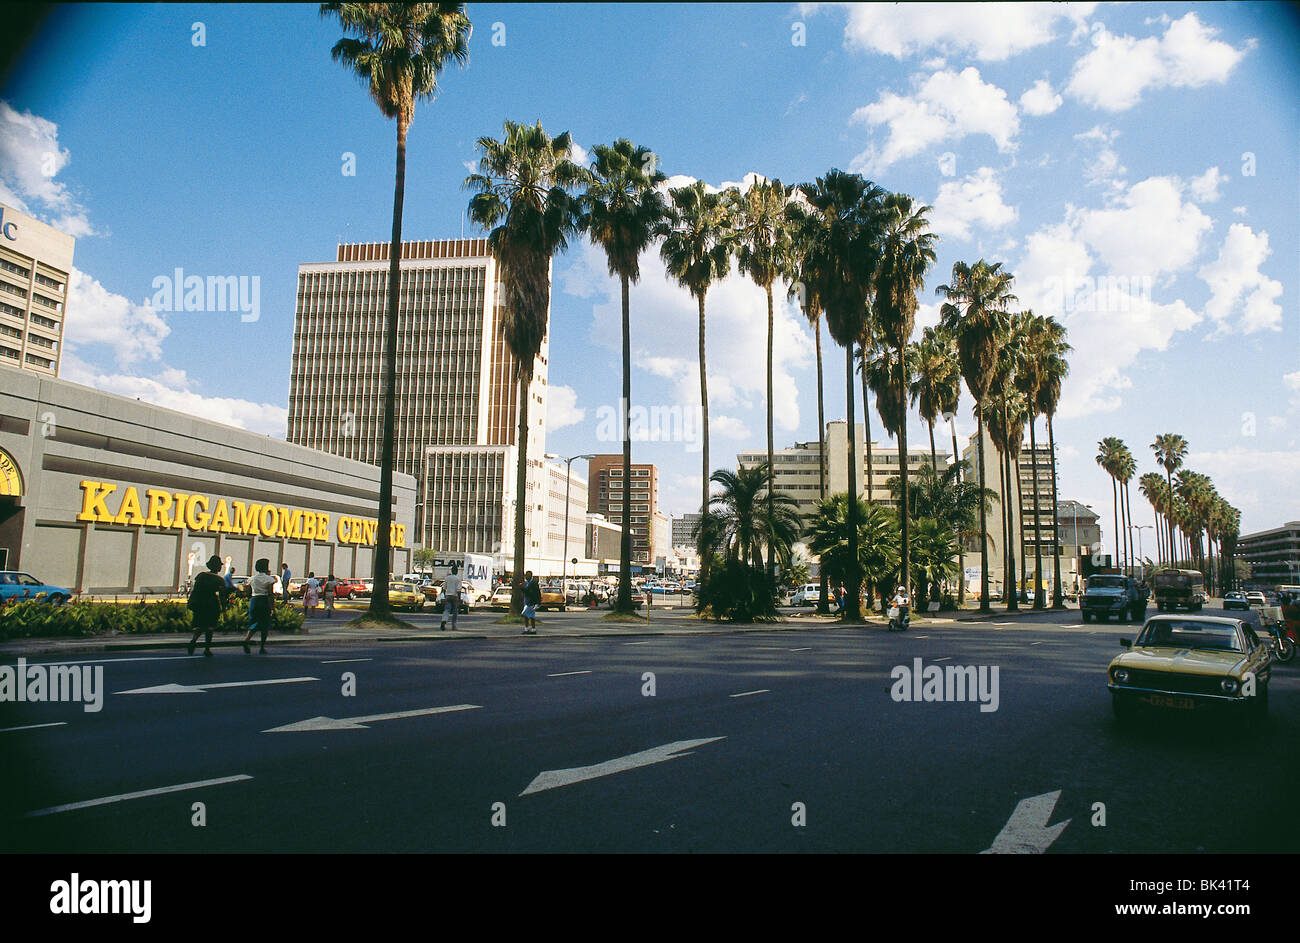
[990, 32]
[1292, 382]
[30, 160]
[1260, 483]
[1119, 69]
[974, 201]
[562, 408]
[98, 317]
[1205, 188]
[1239, 210]
[1236, 284]
[1039, 99]
[1105, 168]
[728, 427]
[947, 106]
[172, 389]
[1149, 231]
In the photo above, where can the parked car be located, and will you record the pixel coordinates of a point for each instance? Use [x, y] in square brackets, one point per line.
[468, 596]
[16, 585]
[500, 598]
[1235, 600]
[297, 585]
[806, 595]
[552, 597]
[405, 596]
[1256, 598]
[355, 587]
[1191, 663]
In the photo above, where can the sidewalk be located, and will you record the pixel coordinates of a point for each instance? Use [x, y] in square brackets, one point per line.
[480, 625]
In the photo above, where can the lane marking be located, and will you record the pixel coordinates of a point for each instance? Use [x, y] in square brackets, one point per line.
[161, 791]
[554, 778]
[944, 658]
[344, 661]
[201, 688]
[637, 643]
[801, 649]
[61, 723]
[1039, 642]
[920, 636]
[565, 674]
[748, 693]
[105, 661]
[359, 723]
[1027, 831]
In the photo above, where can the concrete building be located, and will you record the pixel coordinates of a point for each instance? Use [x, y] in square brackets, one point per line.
[603, 539]
[35, 265]
[684, 528]
[1080, 534]
[662, 535]
[605, 497]
[105, 494]
[457, 399]
[557, 484]
[795, 473]
[1273, 555]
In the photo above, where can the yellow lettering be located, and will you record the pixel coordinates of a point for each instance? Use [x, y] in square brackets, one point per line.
[129, 512]
[193, 520]
[322, 527]
[93, 507]
[343, 530]
[246, 517]
[220, 518]
[309, 527]
[268, 520]
[160, 503]
[290, 523]
[178, 516]
[370, 527]
[397, 535]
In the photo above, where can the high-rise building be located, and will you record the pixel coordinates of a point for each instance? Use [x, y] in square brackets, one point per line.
[563, 485]
[457, 398]
[605, 496]
[1273, 554]
[35, 265]
[684, 528]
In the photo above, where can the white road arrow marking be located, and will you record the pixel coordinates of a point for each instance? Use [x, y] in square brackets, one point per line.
[61, 723]
[200, 688]
[554, 778]
[359, 723]
[748, 693]
[565, 674]
[143, 794]
[1027, 831]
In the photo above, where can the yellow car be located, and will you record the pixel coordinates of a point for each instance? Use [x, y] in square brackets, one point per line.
[405, 596]
[1191, 663]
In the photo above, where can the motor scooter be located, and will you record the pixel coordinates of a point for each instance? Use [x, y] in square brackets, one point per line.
[900, 618]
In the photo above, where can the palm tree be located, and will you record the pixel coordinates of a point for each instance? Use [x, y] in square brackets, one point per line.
[1052, 368]
[397, 52]
[845, 251]
[738, 522]
[934, 547]
[937, 383]
[1006, 431]
[944, 497]
[1126, 468]
[859, 543]
[523, 190]
[1108, 457]
[621, 209]
[948, 391]
[906, 254]
[1152, 487]
[762, 250]
[1170, 449]
[1029, 379]
[975, 312]
[696, 248]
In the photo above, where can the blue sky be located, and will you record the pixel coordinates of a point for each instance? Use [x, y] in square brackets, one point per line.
[1153, 143]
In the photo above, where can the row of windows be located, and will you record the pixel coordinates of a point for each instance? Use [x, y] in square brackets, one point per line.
[49, 282]
[44, 321]
[13, 289]
[8, 266]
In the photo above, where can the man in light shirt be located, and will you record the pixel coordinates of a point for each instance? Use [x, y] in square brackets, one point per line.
[451, 598]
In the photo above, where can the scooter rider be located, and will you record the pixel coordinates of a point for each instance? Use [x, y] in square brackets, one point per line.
[902, 602]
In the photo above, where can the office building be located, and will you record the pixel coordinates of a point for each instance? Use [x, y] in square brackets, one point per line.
[684, 528]
[1273, 555]
[35, 265]
[456, 396]
[605, 497]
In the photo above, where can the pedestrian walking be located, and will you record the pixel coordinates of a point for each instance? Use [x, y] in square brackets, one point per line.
[260, 603]
[330, 588]
[207, 601]
[451, 598]
[285, 575]
[532, 597]
[311, 595]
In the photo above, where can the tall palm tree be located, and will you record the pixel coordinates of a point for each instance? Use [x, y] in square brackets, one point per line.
[846, 250]
[1028, 380]
[1006, 431]
[975, 311]
[621, 209]
[739, 522]
[949, 396]
[1170, 449]
[696, 248]
[1053, 369]
[523, 190]
[1126, 468]
[397, 50]
[1152, 487]
[762, 250]
[906, 254]
[937, 383]
[1109, 452]
[870, 553]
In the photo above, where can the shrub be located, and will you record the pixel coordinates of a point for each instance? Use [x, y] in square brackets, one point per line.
[738, 592]
[39, 619]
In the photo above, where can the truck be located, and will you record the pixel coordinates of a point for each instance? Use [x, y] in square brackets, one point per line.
[1113, 594]
[1179, 589]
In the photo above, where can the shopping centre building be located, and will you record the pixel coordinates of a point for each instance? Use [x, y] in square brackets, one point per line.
[104, 494]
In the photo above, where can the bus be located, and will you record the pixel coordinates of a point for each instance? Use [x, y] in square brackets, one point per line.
[1176, 589]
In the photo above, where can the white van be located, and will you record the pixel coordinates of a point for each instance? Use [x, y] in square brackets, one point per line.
[807, 595]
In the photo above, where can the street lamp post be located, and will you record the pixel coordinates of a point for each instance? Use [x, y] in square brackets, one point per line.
[1139, 528]
[568, 482]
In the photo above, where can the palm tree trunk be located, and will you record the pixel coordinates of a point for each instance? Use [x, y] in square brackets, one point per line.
[853, 605]
[1058, 594]
[1169, 480]
[383, 561]
[704, 423]
[1040, 592]
[771, 462]
[866, 427]
[624, 601]
[961, 543]
[934, 459]
[522, 503]
[1020, 528]
[1114, 498]
[823, 600]
[1010, 581]
[984, 526]
[904, 514]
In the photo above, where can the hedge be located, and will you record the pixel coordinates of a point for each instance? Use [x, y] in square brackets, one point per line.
[39, 619]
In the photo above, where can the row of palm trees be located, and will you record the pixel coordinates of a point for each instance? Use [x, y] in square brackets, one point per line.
[854, 253]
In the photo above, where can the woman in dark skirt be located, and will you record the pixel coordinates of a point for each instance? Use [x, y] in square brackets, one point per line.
[259, 603]
[207, 600]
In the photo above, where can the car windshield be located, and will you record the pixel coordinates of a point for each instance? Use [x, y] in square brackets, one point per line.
[400, 588]
[1189, 633]
[1106, 582]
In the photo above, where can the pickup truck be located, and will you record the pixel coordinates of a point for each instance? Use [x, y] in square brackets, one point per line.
[1111, 594]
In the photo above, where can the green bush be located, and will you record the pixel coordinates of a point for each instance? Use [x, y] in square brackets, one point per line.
[738, 592]
[37, 619]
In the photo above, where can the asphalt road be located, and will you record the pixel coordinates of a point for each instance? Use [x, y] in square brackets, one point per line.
[794, 725]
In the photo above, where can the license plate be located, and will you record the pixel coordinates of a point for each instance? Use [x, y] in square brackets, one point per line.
[1173, 701]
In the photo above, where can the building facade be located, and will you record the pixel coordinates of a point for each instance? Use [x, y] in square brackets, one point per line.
[562, 487]
[1273, 555]
[457, 398]
[605, 497]
[684, 529]
[35, 265]
[104, 495]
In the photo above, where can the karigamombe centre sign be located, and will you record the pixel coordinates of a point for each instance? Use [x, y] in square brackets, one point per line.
[198, 513]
